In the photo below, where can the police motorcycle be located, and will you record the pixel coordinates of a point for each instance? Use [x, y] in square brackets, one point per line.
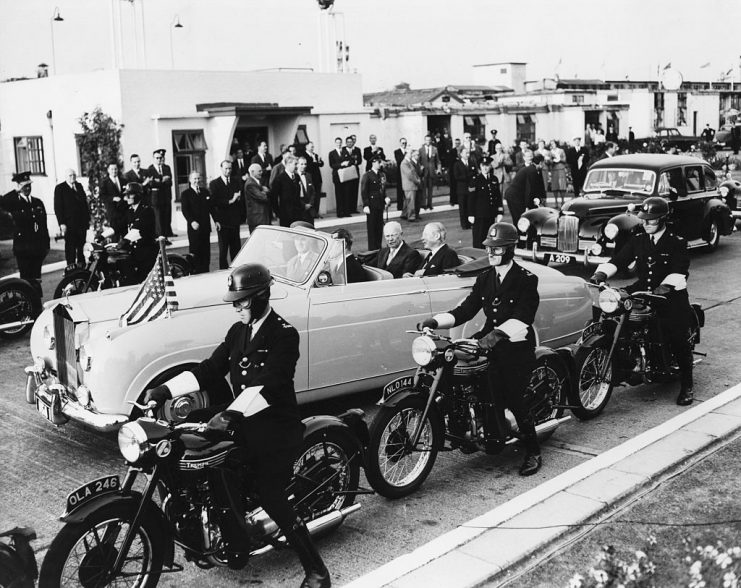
[444, 407]
[624, 346]
[17, 562]
[109, 264]
[20, 305]
[117, 534]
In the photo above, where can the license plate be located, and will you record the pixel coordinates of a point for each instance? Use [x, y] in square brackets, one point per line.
[560, 258]
[395, 386]
[90, 490]
[44, 409]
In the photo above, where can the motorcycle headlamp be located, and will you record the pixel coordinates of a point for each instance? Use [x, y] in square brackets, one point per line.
[611, 231]
[132, 441]
[423, 350]
[609, 300]
[723, 191]
[523, 224]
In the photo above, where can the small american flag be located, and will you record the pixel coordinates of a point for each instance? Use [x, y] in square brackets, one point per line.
[156, 297]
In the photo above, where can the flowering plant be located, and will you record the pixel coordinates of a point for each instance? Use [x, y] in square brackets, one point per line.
[612, 570]
[712, 565]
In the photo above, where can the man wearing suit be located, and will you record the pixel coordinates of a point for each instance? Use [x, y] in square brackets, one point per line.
[196, 206]
[299, 266]
[353, 268]
[314, 163]
[484, 202]
[73, 216]
[441, 256]
[140, 176]
[410, 182]
[161, 175]
[352, 187]
[338, 159]
[227, 210]
[399, 155]
[239, 166]
[577, 158]
[430, 162]
[372, 151]
[526, 189]
[307, 192]
[111, 193]
[286, 194]
[256, 199]
[397, 257]
[375, 201]
[265, 160]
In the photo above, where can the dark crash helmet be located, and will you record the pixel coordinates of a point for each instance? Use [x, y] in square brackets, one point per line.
[653, 208]
[501, 235]
[251, 280]
[135, 190]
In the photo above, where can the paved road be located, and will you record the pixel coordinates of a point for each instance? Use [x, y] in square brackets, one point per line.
[42, 464]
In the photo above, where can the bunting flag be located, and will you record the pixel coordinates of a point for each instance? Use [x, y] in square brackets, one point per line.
[156, 297]
[704, 65]
[668, 65]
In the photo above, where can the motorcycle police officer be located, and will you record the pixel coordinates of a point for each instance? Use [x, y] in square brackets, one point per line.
[140, 238]
[31, 237]
[259, 353]
[662, 265]
[508, 294]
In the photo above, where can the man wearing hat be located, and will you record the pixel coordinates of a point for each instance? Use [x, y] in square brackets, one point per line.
[508, 295]
[375, 201]
[31, 239]
[161, 188]
[484, 202]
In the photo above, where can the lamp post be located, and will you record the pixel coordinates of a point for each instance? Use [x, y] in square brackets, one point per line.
[56, 17]
[175, 24]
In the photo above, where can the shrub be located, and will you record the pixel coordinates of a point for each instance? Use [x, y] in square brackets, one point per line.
[612, 570]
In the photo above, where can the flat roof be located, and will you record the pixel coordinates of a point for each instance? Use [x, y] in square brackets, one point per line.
[251, 108]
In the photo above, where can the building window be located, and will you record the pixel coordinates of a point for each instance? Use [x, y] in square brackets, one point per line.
[525, 128]
[658, 109]
[29, 155]
[190, 155]
[474, 125]
[503, 70]
[682, 109]
[577, 98]
[302, 137]
[612, 98]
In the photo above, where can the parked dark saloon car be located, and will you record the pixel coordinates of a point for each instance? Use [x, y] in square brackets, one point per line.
[730, 191]
[670, 137]
[589, 229]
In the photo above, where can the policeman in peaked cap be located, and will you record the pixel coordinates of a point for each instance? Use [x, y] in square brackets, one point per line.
[485, 205]
[508, 295]
[662, 266]
[259, 353]
[31, 238]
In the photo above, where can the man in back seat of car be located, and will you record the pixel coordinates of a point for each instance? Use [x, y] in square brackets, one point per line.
[397, 257]
[441, 257]
[355, 271]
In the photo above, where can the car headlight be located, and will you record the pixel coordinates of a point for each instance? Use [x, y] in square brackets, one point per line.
[609, 300]
[48, 338]
[596, 249]
[132, 441]
[611, 231]
[523, 224]
[423, 349]
[83, 395]
[85, 359]
[723, 191]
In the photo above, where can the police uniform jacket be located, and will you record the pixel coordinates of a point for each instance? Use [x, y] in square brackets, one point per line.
[161, 188]
[516, 298]
[372, 190]
[31, 234]
[369, 154]
[268, 359]
[486, 199]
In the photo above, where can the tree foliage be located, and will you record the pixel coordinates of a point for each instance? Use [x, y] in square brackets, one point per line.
[99, 143]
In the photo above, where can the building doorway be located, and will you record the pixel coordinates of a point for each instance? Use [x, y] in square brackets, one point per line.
[438, 123]
[248, 138]
[189, 148]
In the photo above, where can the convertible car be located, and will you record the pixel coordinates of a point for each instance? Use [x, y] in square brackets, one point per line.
[90, 369]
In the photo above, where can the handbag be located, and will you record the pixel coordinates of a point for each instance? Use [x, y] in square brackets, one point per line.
[347, 174]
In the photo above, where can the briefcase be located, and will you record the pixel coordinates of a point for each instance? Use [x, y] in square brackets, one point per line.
[347, 174]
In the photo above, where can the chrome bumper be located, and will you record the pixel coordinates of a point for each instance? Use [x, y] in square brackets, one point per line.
[540, 256]
[40, 388]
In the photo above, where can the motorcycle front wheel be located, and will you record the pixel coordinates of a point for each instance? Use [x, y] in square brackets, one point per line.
[82, 554]
[325, 475]
[18, 303]
[592, 393]
[75, 282]
[395, 468]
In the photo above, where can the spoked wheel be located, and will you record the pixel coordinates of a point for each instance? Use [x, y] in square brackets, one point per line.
[75, 282]
[396, 468]
[592, 392]
[547, 389]
[83, 554]
[325, 474]
[18, 304]
[178, 267]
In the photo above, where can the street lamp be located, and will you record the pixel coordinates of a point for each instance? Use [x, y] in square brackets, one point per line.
[175, 25]
[56, 17]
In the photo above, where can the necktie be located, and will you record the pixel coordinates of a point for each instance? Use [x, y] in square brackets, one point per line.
[159, 169]
[497, 280]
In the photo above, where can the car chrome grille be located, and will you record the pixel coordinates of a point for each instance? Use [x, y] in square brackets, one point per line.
[568, 234]
[64, 335]
[547, 241]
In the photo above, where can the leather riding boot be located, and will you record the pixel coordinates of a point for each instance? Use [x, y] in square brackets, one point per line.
[532, 462]
[686, 396]
[317, 575]
[494, 431]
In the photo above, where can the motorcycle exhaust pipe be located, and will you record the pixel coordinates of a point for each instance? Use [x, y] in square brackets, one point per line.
[324, 523]
[16, 324]
[543, 428]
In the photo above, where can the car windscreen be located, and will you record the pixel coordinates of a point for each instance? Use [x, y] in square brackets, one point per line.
[292, 256]
[638, 182]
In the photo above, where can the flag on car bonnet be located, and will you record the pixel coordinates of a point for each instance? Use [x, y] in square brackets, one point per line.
[156, 297]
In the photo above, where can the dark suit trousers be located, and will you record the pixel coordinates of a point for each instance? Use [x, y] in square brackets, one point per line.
[428, 181]
[480, 228]
[352, 188]
[74, 240]
[399, 192]
[229, 245]
[29, 267]
[339, 194]
[452, 184]
[200, 247]
[374, 223]
[516, 208]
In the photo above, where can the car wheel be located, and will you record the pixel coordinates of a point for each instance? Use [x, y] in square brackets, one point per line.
[712, 237]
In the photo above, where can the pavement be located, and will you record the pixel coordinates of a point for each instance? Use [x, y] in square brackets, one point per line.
[493, 547]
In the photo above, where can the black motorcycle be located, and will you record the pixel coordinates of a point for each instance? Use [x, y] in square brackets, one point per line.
[20, 305]
[108, 265]
[443, 407]
[17, 562]
[624, 345]
[116, 534]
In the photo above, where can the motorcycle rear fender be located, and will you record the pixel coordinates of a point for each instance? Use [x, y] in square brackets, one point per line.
[349, 424]
[79, 515]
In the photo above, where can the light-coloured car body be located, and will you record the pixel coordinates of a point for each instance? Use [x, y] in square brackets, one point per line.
[352, 336]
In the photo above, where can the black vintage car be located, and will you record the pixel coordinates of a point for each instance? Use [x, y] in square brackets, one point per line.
[589, 229]
[730, 191]
[669, 137]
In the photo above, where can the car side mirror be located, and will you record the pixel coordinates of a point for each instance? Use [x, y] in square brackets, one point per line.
[324, 279]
